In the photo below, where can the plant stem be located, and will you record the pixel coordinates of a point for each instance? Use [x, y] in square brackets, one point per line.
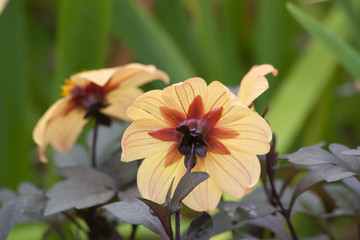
[177, 225]
[132, 236]
[191, 158]
[93, 150]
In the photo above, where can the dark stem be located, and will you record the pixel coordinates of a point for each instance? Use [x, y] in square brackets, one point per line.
[132, 236]
[93, 150]
[90, 218]
[191, 158]
[177, 225]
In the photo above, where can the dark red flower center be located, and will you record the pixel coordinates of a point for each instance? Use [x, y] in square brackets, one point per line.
[195, 134]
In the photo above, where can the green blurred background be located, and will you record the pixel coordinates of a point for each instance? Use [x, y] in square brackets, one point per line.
[313, 44]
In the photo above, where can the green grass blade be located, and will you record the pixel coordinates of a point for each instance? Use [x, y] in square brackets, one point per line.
[218, 64]
[302, 87]
[15, 133]
[148, 40]
[81, 37]
[348, 57]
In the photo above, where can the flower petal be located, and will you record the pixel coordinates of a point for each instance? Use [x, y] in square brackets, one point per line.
[59, 127]
[137, 143]
[234, 173]
[180, 96]
[254, 83]
[148, 105]
[119, 100]
[206, 196]
[135, 74]
[99, 77]
[154, 178]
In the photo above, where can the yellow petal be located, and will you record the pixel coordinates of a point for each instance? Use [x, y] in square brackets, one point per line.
[254, 132]
[99, 77]
[233, 173]
[206, 196]
[254, 83]
[180, 96]
[63, 131]
[147, 106]
[135, 74]
[119, 100]
[59, 127]
[153, 178]
[138, 144]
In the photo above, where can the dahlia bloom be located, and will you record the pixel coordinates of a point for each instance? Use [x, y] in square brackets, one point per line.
[100, 94]
[254, 83]
[208, 123]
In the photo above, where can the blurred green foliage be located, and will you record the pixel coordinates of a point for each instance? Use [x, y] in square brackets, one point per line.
[314, 97]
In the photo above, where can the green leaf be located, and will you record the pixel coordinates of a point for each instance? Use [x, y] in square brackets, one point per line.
[81, 37]
[347, 56]
[186, 184]
[15, 140]
[201, 228]
[302, 87]
[149, 42]
[220, 62]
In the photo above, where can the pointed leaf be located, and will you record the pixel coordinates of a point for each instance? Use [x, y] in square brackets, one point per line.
[87, 174]
[137, 213]
[311, 156]
[201, 228]
[350, 162]
[77, 156]
[168, 194]
[76, 193]
[163, 213]
[186, 184]
[274, 224]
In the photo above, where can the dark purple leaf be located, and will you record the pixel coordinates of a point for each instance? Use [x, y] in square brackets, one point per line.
[7, 195]
[186, 184]
[274, 224]
[311, 156]
[168, 194]
[76, 193]
[349, 162]
[137, 213]
[347, 201]
[331, 173]
[307, 182]
[87, 174]
[353, 183]
[201, 228]
[77, 156]
[163, 213]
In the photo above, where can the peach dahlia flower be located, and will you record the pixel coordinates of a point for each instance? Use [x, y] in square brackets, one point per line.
[101, 94]
[193, 119]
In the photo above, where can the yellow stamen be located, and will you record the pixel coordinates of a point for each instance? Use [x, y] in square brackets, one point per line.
[67, 87]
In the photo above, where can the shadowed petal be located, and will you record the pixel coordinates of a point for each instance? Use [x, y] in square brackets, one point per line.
[154, 178]
[206, 196]
[99, 77]
[234, 173]
[135, 74]
[180, 96]
[119, 100]
[137, 143]
[63, 131]
[254, 83]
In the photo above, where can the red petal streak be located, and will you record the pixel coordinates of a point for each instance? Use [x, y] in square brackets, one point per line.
[196, 108]
[173, 117]
[173, 155]
[212, 117]
[216, 146]
[166, 134]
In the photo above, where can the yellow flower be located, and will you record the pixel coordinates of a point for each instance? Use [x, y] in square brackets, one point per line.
[100, 93]
[193, 119]
[254, 83]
